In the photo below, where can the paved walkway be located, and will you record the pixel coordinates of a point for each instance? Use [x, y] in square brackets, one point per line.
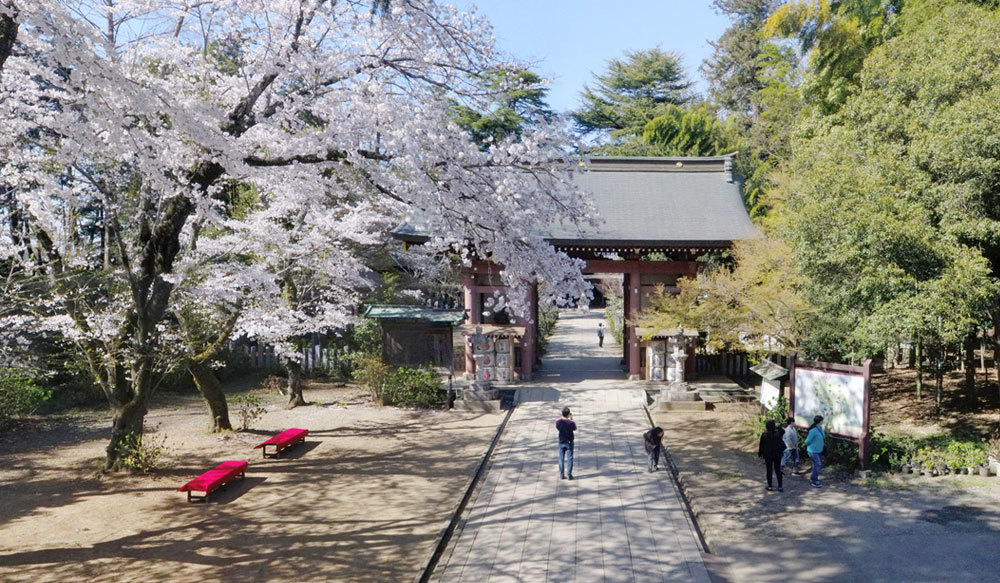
[615, 522]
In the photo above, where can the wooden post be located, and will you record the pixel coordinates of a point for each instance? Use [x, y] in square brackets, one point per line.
[791, 384]
[864, 442]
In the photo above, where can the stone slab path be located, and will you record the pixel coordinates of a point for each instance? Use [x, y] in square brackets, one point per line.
[615, 522]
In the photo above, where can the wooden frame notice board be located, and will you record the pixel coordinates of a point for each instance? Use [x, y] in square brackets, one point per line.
[839, 392]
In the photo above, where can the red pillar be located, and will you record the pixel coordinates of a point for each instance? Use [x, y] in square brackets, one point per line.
[529, 343]
[632, 306]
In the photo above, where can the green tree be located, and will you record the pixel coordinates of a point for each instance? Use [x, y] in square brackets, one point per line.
[756, 303]
[891, 204]
[837, 36]
[520, 103]
[690, 131]
[754, 80]
[628, 95]
[733, 71]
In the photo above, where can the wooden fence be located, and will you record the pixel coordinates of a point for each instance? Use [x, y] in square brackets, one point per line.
[724, 363]
[260, 356]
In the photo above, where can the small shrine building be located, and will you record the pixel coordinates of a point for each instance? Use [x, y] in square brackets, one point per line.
[660, 215]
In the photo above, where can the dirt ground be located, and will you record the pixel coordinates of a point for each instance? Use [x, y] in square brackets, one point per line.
[895, 408]
[362, 500]
[849, 530]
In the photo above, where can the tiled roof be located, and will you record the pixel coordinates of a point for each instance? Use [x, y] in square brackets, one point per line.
[414, 314]
[651, 202]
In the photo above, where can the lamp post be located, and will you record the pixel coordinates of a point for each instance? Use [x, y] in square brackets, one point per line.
[680, 354]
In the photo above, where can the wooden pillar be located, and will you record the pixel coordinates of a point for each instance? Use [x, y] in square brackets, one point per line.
[468, 285]
[633, 288]
[529, 343]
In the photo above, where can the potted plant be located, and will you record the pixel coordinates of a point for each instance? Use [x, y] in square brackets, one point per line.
[925, 459]
[955, 456]
[975, 457]
[993, 453]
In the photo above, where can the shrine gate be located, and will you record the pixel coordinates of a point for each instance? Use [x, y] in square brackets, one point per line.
[660, 215]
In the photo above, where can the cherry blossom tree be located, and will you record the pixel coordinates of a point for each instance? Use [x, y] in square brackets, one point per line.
[226, 156]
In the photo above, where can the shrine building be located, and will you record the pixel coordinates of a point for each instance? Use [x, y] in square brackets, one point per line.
[660, 215]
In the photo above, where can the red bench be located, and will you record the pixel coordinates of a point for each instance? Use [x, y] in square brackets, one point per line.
[284, 439]
[214, 478]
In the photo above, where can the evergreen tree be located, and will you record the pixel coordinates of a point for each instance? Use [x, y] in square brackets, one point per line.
[733, 71]
[629, 94]
[520, 103]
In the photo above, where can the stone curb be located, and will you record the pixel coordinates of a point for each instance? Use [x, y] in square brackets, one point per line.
[444, 537]
[690, 504]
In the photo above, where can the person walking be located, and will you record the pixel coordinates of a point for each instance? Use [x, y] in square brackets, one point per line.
[771, 447]
[815, 445]
[654, 445]
[791, 439]
[566, 426]
[600, 334]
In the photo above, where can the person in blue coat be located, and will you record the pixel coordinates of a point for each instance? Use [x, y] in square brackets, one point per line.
[815, 444]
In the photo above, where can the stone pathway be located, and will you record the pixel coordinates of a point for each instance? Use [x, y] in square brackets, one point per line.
[615, 522]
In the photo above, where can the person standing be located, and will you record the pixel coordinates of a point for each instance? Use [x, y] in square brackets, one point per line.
[654, 445]
[771, 447]
[815, 445]
[791, 439]
[600, 334]
[566, 426]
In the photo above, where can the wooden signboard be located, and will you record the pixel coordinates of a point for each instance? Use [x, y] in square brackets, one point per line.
[841, 393]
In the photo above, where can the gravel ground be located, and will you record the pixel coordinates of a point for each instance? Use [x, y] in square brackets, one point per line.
[362, 500]
[888, 528]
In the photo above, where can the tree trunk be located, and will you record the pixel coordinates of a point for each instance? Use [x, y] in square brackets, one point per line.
[982, 359]
[918, 362]
[8, 32]
[970, 366]
[294, 369]
[127, 421]
[211, 390]
[942, 357]
[996, 346]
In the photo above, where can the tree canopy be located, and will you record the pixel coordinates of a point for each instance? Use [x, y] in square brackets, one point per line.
[232, 156]
[629, 94]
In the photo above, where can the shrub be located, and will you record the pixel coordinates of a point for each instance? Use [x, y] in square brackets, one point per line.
[249, 408]
[141, 455]
[930, 458]
[890, 451]
[19, 395]
[548, 317]
[756, 424]
[413, 387]
[372, 374]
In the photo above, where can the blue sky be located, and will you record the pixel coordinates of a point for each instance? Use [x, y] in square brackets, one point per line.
[570, 39]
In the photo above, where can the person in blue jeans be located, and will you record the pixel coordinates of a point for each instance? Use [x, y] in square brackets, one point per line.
[815, 444]
[791, 439]
[566, 426]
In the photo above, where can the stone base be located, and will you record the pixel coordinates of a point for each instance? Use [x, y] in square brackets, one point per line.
[672, 395]
[682, 406]
[478, 406]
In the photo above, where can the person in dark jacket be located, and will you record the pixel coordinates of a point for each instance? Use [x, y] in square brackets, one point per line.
[654, 445]
[566, 426]
[771, 448]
